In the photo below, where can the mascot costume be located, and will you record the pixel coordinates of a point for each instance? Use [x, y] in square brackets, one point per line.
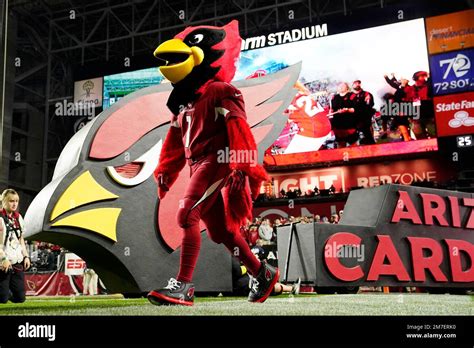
[208, 117]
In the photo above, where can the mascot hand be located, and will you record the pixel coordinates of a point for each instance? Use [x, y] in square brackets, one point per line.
[236, 181]
[162, 180]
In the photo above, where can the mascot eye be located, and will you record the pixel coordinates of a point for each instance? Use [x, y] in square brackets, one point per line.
[196, 39]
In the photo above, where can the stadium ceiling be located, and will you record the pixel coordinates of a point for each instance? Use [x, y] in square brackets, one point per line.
[87, 31]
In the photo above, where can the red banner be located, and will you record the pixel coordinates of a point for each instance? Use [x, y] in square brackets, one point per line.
[455, 114]
[365, 175]
[308, 180]
[52, 284]
[352, 153]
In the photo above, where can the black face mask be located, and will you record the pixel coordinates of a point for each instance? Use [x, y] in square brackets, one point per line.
[357, 88]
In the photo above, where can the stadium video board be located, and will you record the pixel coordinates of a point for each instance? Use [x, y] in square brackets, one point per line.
[118, 86]
[330, 118]
[327, 121]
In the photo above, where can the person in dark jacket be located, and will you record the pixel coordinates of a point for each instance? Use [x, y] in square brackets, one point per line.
[343, 121]
[364, 110]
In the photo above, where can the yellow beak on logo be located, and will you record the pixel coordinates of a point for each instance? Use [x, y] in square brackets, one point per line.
[177, 59]
[86, 190]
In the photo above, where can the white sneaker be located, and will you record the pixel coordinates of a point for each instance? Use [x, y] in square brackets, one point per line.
[296, 287]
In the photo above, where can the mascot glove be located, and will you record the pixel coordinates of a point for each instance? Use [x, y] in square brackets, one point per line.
[162, 180]
[236, 181]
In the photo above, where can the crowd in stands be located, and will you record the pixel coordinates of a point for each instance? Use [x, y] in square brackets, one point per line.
[262, 231]
[44, 256]
[296, 192]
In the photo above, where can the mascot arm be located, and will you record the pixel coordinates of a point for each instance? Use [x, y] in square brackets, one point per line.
[172, 160]
[241, 141]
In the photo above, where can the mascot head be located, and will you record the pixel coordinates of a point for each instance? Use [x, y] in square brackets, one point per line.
[198, 55]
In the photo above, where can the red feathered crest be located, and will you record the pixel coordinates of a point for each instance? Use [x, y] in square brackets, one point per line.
[230, 45]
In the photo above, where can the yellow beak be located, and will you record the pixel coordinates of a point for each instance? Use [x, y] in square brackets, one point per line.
[177, 59]
[86, 190]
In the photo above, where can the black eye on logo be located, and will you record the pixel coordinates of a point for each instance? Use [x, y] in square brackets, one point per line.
[195, 39]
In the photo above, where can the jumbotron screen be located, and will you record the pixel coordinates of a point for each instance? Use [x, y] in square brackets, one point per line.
[351, 102]
[118, 86]
[332, 117]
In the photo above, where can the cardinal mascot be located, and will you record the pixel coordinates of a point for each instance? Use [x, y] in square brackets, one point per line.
[208, 120]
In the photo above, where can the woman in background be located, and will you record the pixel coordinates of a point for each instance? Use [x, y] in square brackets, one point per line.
[14, 259]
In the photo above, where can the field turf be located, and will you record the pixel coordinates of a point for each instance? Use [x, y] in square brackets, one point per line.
[360, 304]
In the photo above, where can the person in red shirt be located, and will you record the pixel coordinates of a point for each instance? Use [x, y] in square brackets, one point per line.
[208, 118]
[420, 95]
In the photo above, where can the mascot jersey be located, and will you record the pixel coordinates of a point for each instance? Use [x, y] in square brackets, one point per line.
[203, 123]
[208, 116]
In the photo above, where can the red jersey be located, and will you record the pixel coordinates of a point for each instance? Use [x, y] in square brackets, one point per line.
[202, 123]
[311, 118]
[414, 93]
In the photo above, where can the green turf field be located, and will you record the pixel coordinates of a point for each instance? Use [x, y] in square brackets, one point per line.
[360, 304]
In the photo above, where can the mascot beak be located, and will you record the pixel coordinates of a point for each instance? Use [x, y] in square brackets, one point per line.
[177, 60]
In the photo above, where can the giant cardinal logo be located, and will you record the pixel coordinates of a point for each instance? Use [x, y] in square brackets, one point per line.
[101, 203]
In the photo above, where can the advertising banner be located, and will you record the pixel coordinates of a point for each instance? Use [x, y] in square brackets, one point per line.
[452, 72]
[52, 284]
[363, 175]
[344, 179]
[74, 265]
[455, 114]
[88, 92]
[450, 32]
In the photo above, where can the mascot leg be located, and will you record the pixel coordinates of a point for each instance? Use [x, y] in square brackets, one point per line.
[233, 241]
[203, 200]
[208, 178]
[263, 276]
